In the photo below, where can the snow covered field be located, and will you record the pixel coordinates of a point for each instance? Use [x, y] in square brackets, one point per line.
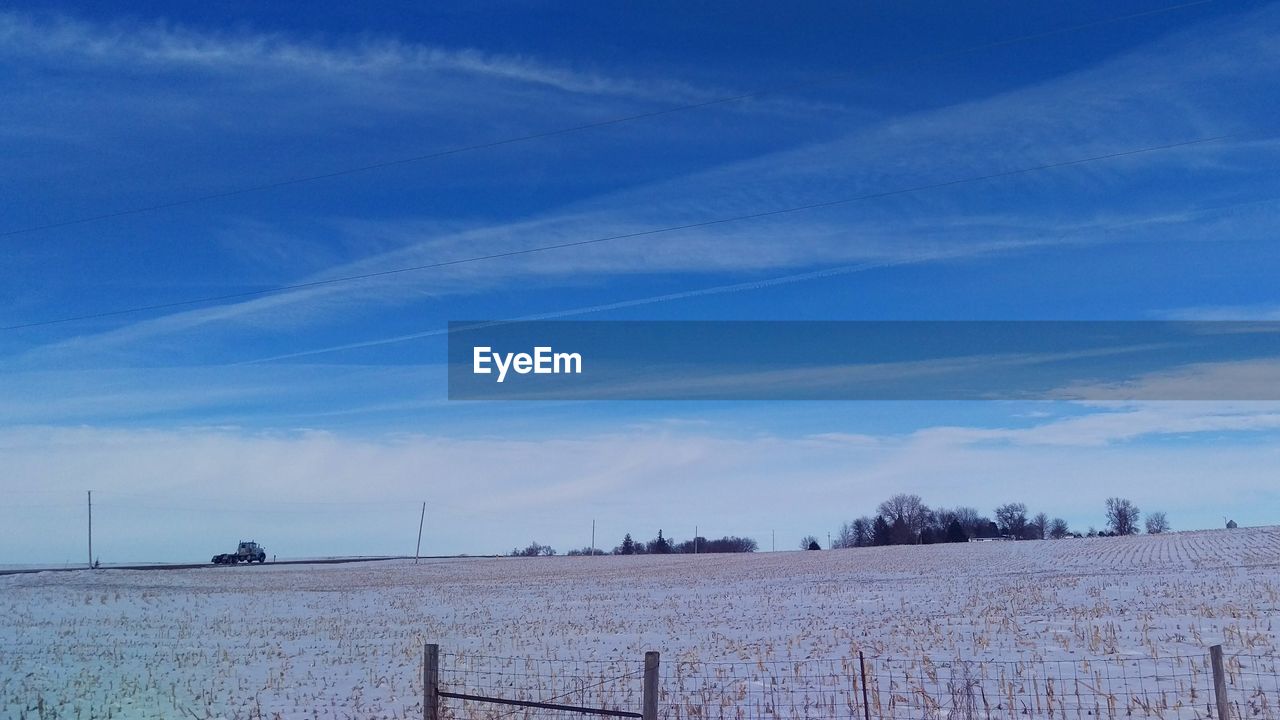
[338, 641]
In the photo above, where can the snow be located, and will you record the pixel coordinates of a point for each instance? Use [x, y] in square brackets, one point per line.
[336, 641]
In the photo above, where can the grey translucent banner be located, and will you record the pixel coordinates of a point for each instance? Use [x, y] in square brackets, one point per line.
[889, 360]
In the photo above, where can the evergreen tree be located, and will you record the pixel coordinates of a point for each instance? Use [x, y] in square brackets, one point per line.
[881, 533]
[900, 533]
[956, 533]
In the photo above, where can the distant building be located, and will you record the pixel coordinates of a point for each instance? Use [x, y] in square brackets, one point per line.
[991, 539]
[1231, 525]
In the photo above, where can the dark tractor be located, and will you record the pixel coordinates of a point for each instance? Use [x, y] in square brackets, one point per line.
[248, 551]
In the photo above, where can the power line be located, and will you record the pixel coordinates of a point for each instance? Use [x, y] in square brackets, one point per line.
[458, 150]
[627, 236]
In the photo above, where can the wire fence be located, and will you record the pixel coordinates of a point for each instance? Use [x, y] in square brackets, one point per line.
[924, 689]
[1253, 685]
[611, 685]
[881, 688]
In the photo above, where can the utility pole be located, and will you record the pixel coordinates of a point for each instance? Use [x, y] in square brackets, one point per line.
[695, 539]
[773, 535]
[593, 537]
[90, 529]
[828, 540]
[418, 551]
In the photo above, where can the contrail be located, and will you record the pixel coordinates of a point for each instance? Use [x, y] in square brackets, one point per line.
[684, 295]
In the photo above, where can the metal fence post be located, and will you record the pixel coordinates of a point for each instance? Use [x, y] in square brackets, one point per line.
[1220, 683]
[649, 711]
[431, 682]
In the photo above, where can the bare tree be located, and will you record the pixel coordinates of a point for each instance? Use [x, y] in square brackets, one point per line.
[1157, 523]
[863, 529]
[1058, 529]
[727, 544]
[586, 551]
[1122, 516]
[1012, 518]
[910, 509]
[1040, 526]
[971, 520]
[942, 518]
[845, 537]
[533, 549]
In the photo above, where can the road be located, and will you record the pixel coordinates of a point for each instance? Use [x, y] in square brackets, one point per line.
[196, 566]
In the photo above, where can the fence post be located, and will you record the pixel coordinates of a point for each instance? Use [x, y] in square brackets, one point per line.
[649, 711]
[866, 704]
[431, 682]
[1220, 683]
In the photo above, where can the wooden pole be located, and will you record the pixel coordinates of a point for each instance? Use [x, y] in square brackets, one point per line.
[431, 683]
[1220, 683]
[418, 550]
[593, 537]
[649, 710]
[866, 704]
[90, 529]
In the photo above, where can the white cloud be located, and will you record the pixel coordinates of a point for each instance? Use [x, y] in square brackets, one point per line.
[218, 394]
[869, 244]
[185, 489]
[1225, 380]
[165, 47]
[1115, 424]
[1059, 119]
[1213, 313]
[1166, 91]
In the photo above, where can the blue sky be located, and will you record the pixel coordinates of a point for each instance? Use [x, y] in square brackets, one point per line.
[321, 412]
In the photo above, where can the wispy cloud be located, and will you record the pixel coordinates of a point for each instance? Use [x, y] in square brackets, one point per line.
[1119, 423]
[1169, 90]
[1213, 313]
[167, 47]
[1223, 380]
[204, 395]
[867, 244]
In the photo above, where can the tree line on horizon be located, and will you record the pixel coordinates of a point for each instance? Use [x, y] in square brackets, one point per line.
[903, 519]
[658, 546]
